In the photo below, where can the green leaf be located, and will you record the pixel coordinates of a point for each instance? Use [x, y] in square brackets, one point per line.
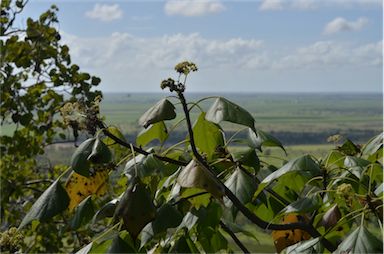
[155, 131]
[167, 217]
[53, 201]
[334, 159]
[261, 139]
[373, 145]
[86, 249]
[305, 247]
[360, 241]
[146, 166]
[303, 205]
[100, 153]
[208, 136]
[84, 213]
[350, 161]
[106, 210]
[116, 132]
[79, 161]
[196, 176]
[118, 245]
[303, 166]
[136, 208]
[349, 148]
[243, 186]
[225, 110]
[163, 110]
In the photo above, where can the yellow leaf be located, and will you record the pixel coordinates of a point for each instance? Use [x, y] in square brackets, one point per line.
[284, 238]
[79, 187]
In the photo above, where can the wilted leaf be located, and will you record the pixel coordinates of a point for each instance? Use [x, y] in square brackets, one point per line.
[331, 217]
[207, 136]
[284, 238]
[53, 201]
[79, 187]
[163, 110]
[195, 176]
[225, 110]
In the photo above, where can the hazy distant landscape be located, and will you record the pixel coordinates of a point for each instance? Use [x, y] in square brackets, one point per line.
[293, 118]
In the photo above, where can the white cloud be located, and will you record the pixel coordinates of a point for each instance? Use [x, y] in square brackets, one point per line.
[105, 12]
[340, 24]
[271, 5]
[192, 8]
[304, 4]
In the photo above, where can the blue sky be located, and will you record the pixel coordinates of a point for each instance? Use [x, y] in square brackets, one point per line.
[239, 46]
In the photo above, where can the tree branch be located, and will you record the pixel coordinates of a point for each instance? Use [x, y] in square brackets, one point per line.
[234, 237]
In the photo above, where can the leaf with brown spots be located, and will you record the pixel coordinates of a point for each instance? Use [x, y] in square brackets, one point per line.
[79, 187]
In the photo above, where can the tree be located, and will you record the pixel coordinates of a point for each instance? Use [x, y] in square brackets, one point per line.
[37, 79]
[187, 197]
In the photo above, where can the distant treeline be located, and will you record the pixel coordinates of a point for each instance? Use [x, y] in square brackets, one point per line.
[289, 138]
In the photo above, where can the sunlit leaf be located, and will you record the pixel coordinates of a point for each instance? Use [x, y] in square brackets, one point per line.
[163, 110]
[360, 241]
[225, 110]
[207, 135]
[261, 139]
[155, 131]
[53, 201]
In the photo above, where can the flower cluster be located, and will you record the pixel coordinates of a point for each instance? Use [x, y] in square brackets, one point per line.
[11, 240]
[185, 67]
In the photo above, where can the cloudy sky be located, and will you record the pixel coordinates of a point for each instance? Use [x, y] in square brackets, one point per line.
[239, 46]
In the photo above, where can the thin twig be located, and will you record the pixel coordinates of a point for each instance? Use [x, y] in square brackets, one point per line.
[234, 237]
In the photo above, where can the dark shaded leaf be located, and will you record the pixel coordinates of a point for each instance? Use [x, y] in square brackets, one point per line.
[247, 158]
[167, 217]
[100, 153]
[53, 201]
[349, 148]
[84, 213]
[79, 161]
[118, 245]
[331, 217]
[163, 110]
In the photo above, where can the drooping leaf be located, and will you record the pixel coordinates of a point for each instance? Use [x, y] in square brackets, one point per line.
[84, 213]
[207, 136]
[155, 131]
[86, 249]
[163, 110]
[306, 247]
[107, 210]
[100, 153]
[53, 201]
[196, 176]
[303, 205]
[79, 161]
[331, 217]
[146, 166]
[261, 139]
[136, 208]
[373, 145]
[243, 186]
[303, 166]
[360, 241]
[79, 187]
[225, 110]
